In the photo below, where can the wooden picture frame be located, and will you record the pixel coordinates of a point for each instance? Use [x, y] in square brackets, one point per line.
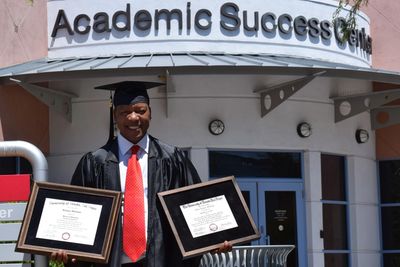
[203, 216]
[79, 220]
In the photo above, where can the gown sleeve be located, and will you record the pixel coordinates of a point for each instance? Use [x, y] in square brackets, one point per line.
[88, 172]
[188, 173]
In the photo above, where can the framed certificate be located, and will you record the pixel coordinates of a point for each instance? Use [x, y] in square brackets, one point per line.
[203, 216]
[77, 219]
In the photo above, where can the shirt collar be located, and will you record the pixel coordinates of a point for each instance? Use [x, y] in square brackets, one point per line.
[125, 145]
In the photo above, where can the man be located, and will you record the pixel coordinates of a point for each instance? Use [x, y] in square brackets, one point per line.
[162, 167]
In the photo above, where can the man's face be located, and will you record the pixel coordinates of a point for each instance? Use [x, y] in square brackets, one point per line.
[133, 120]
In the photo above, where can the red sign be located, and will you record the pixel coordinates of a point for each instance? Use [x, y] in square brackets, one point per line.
[14, 187]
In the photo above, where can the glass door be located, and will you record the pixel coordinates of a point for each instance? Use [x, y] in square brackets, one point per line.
[278, 210]
[249, 192]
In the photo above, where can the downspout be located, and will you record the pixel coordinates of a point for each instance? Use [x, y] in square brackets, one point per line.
[39, 168]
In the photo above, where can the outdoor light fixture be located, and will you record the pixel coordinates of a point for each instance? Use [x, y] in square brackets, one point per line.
[362, 136]
[304, 129]
[216, 127]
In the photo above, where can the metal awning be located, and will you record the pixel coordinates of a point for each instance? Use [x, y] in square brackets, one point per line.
[306, 69]
[46, 69]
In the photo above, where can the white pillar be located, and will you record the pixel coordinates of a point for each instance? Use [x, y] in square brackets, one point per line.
[199, 157]
[313, 194]
[363, 212]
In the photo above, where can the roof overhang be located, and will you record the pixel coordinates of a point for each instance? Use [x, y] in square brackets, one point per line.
[187, 63]
[46, 70]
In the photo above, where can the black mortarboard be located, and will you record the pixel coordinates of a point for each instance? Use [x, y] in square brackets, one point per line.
[126, 93]
[130, 92]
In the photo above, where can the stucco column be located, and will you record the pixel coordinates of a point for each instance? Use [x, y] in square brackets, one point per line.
[199, 157]
[313, 193]
[363, 211]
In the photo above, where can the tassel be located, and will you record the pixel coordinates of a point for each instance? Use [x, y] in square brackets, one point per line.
[111, 130]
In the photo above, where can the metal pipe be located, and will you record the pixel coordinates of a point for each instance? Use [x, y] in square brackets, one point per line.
[39, 168]
[31, 153]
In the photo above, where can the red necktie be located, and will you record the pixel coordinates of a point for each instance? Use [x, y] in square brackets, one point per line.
[134, 236]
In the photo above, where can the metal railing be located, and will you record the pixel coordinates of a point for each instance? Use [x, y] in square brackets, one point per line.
[249, 256]
[40, 172]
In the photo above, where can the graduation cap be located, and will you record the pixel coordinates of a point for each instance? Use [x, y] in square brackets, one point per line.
[130, 92]
[127, 93]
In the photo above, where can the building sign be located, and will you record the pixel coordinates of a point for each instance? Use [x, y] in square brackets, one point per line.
[15, 187]
[293, 27]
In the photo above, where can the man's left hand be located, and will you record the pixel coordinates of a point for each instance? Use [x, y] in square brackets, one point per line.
[224, 248]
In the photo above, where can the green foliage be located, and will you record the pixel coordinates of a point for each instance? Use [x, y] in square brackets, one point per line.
[350, 19]
[53, 263]
[29, 2]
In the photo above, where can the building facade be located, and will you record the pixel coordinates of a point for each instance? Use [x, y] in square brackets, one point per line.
[264, 91]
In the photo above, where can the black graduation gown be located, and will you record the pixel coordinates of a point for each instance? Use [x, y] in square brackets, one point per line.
[168, 168]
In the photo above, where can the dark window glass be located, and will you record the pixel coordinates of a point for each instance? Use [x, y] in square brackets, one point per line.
[336, 260]
[333, 177]
[281, 214]
[246, 196]
[389, 172]
[186, 151]
[335, 227]
[390, 227]
[333, 181]
[14, 165]
[255, 164]
[391, 260]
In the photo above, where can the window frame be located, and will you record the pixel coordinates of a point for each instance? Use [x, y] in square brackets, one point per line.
[299, 152]
[20, 168]
[343, 203]
[383, 205]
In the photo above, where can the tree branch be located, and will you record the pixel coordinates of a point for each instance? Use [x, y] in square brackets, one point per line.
[350, 19]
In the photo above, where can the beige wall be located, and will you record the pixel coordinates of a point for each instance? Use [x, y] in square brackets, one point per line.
[23, 31]
[24, 38]
[385, 30]
[387, 139]
[23, 117]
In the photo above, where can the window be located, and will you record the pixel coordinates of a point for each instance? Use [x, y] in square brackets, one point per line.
[186, 151]
[14, 165]
[334, 208]
[255, 164]
[389, 178]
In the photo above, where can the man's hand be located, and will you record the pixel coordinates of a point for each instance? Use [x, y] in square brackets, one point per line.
[61, 256]
[225, 247]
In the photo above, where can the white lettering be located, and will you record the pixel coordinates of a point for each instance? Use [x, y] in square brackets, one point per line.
[5, 213]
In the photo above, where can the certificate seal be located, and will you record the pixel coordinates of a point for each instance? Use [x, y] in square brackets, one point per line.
[213, 227]
[65, 236]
